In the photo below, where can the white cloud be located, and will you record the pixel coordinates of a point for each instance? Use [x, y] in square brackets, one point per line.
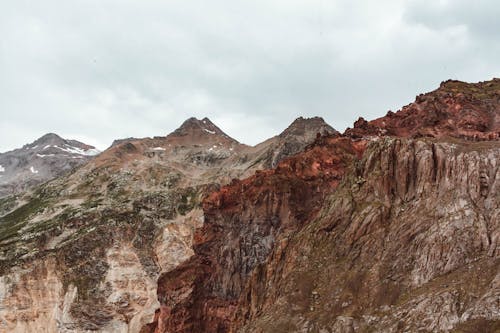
[102, 69]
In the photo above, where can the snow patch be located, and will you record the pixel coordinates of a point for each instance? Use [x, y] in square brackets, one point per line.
[42, 155]
[2, 169]
[158, 148]
[34, 147]
[209, 131]
[79, 151]
[33, 170]
[47, 146]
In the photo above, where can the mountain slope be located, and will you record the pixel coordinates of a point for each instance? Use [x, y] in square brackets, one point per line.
[46, 158]
[361, 233]
[84, 251]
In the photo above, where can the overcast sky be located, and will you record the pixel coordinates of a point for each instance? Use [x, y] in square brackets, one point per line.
[98, 70]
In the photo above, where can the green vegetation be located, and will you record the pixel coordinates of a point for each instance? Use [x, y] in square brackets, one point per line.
[482, 90]
[188, 200]
[478, 325]
[11, 223]
[7, 204]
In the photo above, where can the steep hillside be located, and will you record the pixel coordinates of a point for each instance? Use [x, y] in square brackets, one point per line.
[48, 157]
[370, 232]
[84, 252]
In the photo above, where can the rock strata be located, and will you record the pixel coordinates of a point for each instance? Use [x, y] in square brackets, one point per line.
[393, 227]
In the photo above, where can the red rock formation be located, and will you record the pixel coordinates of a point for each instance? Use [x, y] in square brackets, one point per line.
[456, 109]
[408, 242]
[242, 221]
[392, 235]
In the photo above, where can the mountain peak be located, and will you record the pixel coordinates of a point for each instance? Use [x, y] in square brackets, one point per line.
[52, 139]
[308, 127]
[193, 125]
[48, 138]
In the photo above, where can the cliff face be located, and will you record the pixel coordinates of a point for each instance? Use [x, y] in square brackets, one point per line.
[243, 224]
[408, 240]
[373, 231]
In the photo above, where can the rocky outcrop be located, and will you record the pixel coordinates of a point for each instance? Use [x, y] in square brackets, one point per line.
[46, 158]
[456, 109]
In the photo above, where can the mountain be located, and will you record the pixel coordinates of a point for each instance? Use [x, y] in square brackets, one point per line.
[46, 158]
[84, 252]
[392, 227]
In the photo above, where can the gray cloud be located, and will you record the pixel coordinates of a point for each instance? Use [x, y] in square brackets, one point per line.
[97, 70]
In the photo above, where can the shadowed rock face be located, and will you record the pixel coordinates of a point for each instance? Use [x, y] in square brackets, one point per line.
[243, 223]
[48, 157]
[84, 251]
[373, 231]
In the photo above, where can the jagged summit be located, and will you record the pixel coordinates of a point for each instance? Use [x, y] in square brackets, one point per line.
[308, 127]
[46, 139]
[49, 137]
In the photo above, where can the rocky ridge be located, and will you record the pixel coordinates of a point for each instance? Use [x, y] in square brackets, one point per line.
[456, 109]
